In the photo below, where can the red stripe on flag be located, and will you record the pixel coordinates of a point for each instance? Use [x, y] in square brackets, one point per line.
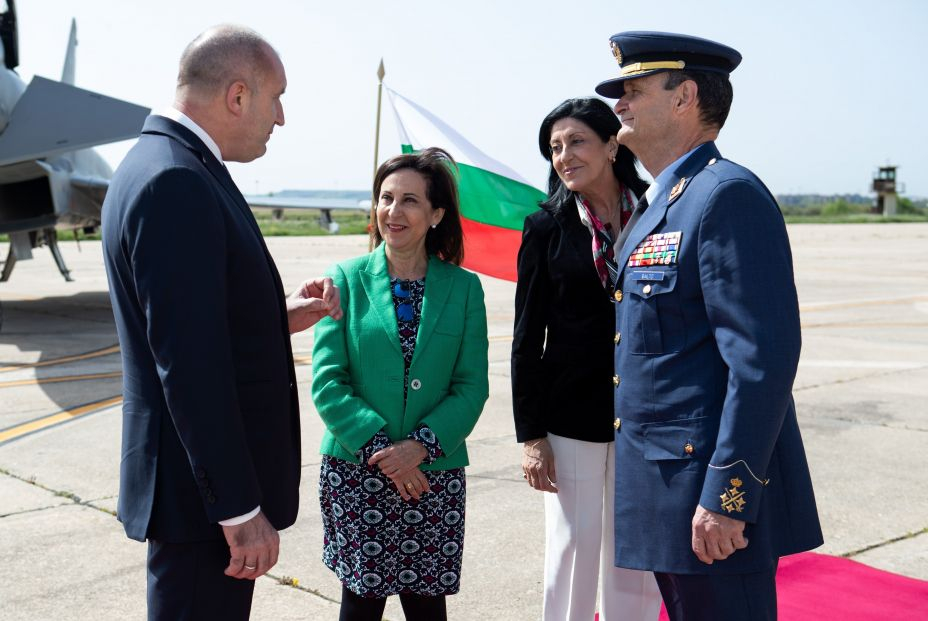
[491, 250]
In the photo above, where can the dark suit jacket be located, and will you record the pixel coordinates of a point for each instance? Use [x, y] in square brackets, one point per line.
[562, 341]
[709, 349]
[210, 412]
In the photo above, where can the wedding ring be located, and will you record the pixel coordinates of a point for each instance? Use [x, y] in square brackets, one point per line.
[409, 486]
[250, 568]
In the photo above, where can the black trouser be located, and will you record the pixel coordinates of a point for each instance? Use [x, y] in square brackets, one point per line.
[186, 583]
[734, 597]
[415, 607]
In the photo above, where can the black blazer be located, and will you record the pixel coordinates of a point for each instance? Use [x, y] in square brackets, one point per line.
[210, 412]
[562, 348]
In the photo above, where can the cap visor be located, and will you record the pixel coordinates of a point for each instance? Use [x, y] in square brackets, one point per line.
[613, 89]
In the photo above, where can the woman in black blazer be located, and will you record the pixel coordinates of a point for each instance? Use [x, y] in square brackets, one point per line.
[562, 361]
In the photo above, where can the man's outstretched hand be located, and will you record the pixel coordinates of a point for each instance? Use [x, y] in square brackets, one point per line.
[315, 299]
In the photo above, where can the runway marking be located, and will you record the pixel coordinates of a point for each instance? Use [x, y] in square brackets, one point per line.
[38, 424]
[106, 351]
[63, 378]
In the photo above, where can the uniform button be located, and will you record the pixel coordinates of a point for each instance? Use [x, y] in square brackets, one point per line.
[616, 380]
[618, 338]
[646, 289]
[415, 384]
[618, 295]
[617, 423]
[688, 448]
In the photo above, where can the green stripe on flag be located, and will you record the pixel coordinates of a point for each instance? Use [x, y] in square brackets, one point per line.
[496, 200]
[489, 198]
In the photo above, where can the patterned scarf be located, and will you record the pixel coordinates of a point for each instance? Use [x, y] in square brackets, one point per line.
[603, 250]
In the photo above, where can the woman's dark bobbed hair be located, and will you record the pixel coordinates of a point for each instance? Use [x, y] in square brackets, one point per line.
[446, 241]
[602, 120]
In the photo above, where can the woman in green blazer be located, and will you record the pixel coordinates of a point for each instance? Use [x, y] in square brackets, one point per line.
[399, 383]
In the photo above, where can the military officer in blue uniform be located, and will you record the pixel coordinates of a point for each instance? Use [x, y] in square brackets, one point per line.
[712, 483]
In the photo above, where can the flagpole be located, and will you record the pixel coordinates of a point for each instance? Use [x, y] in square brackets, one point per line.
[380, 74]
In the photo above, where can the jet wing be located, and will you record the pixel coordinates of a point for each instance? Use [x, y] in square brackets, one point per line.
[299, 202]
[53, 118]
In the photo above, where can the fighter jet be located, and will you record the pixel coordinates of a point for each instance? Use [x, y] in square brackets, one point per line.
[50, 180]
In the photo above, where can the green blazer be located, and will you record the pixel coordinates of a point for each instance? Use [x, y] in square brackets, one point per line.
[358, 363]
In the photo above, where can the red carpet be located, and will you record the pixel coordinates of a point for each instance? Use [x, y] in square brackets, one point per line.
[817, 587]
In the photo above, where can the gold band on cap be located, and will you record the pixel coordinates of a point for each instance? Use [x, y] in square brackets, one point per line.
[636, 68]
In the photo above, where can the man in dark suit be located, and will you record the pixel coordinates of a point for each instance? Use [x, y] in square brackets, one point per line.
[712, 483]
[211, 444]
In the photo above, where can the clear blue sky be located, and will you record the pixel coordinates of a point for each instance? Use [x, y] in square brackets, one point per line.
[827, 91]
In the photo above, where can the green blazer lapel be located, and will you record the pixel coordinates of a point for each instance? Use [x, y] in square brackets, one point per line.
[438, 282]
[376, 282]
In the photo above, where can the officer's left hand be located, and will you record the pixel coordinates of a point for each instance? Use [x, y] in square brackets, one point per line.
[715, 536]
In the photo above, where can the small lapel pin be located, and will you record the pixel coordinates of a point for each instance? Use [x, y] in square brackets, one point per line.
[677, 189]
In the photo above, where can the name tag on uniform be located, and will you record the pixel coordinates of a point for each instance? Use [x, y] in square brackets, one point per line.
[648, 275]
[656, 249]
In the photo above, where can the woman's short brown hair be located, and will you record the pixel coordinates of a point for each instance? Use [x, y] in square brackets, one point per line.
[446, 240]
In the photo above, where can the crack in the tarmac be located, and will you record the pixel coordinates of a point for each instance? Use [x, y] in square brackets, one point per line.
[848, 380]
[856, 421]
[294, 583]
[74, 498]
[911, 535]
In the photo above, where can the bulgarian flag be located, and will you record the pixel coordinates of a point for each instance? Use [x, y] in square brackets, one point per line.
[494, 198]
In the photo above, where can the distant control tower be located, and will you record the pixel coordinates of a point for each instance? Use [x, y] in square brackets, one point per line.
[884, 184]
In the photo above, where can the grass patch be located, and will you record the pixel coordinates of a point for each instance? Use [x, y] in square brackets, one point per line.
[294, 223]
[855, 218]
[304, 223]
[307, 223]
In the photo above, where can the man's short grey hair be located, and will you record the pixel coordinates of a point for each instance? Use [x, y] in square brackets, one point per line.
[223, 55]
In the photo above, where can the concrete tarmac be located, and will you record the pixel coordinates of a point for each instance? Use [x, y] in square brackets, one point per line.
[860, 393]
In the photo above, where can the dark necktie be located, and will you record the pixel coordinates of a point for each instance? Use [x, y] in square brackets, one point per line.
[636, 215]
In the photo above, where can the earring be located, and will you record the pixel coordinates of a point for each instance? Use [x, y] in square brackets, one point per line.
[612, 158]
[434, 226]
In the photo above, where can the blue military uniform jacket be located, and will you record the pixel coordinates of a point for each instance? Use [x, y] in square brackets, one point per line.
[706, 351]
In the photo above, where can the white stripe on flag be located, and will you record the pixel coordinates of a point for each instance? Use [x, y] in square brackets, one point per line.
[420, 128]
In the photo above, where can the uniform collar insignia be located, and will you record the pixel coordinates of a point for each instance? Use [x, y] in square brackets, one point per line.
[677, 190]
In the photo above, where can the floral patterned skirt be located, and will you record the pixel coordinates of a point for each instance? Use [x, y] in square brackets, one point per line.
[378, 544]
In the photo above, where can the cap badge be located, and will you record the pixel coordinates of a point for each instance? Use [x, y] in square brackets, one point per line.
[616, 52]
[733, 498]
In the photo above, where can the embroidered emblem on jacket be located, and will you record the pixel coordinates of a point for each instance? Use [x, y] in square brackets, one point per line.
[733, 498]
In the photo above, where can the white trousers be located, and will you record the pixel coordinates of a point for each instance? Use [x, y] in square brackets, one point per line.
[580, 541]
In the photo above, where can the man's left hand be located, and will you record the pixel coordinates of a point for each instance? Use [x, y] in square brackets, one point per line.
[716, 537]
[314, 300]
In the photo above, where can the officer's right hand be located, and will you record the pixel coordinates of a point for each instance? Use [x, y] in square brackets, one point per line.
[715, 536]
